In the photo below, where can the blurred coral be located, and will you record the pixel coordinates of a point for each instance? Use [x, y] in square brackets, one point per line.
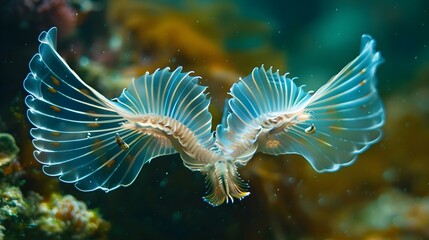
[196, 38]
[67, 217]
[23, 214]
[392, 215]
[45, 13]
[16, 212]
[57, 13]
[164, 36]
[8, 149]
[61, 217]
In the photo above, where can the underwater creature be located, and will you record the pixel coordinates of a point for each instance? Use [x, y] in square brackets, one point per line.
[97, 143]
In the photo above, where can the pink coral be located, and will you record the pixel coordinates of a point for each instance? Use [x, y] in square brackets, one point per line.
[58, 13]
[44, 14]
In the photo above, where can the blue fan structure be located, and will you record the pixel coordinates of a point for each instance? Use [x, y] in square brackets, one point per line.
[99, 143]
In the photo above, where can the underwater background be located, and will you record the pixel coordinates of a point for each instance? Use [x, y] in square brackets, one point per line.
[384, 195]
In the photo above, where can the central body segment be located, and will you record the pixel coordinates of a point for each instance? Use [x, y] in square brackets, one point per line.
[170, 131]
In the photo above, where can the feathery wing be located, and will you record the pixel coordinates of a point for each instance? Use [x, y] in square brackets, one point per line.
[83, 138]
[346, 115]
[180, 106]
[329, 128]
[260, 96]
